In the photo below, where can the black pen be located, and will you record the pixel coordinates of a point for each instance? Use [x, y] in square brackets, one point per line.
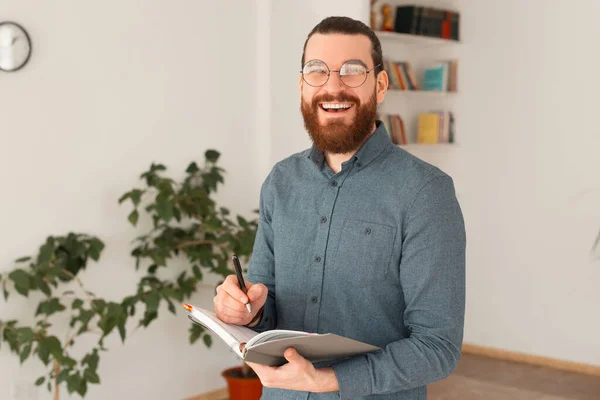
[240, 278]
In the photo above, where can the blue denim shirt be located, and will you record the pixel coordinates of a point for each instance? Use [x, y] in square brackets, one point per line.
[375, 253]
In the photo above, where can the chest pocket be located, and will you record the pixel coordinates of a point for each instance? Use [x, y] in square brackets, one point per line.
[364, 252]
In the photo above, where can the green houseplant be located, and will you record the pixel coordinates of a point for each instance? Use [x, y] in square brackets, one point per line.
[189, 231]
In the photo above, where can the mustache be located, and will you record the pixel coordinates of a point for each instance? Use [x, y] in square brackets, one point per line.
[340, 98]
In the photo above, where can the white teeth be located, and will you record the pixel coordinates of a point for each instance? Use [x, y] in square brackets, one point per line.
[335, 105]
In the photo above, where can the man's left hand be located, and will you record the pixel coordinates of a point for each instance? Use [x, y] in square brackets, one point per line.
[297, 374]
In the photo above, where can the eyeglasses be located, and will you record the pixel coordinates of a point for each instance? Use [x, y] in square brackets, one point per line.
[352, 73]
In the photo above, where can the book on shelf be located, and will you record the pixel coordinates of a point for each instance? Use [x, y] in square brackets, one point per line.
[267, 348]
[427, 21]
[440, 77]
[401, 75]
[394, 125]
[436, 127]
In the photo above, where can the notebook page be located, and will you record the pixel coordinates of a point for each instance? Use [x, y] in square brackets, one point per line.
[236, 332]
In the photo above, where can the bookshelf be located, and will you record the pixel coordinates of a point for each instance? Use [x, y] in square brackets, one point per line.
[416, 40]
[415, 61]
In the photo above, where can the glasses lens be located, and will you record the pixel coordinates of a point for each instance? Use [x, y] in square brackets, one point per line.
[353, 74]
[315, 73]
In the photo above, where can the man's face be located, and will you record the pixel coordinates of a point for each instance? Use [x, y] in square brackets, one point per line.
[337, 117]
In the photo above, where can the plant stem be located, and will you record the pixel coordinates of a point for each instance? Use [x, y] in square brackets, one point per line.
[56, 388]
[198, 242]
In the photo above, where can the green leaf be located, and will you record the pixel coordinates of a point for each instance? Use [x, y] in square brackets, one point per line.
[25, 353]
[40, 381]
[157, 167]
[50, 307]
[207, 340]
[243, 223]
[96, 247]
[133, 217]
[25, 335]
[98, 305]
[136, 196]
[41, 283]
[224, 211]
[21, 281]
[22, 259]
[91, 360]
[195, 332]
[4, 291]
[121, 327]
[212, 155]
[152, 301]
[164, 207]
[62, 376]
[192, 168]
[68, 362]
[77, 303]
[114, 310]
[82, 389]
[73, 382]
[172, 293]
[43, 352]
[197, 272]
[171, 305]
[91, 376]
[52, 344]
[124, 197]
[49, 386]
[46, 251]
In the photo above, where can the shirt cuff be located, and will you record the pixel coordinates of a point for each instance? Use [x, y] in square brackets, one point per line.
[354, 377]
[267, 321]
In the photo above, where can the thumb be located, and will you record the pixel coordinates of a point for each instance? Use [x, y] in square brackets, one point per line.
[292, 355]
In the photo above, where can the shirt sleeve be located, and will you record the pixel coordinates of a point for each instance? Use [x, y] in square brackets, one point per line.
[432, 274]
[261, 268]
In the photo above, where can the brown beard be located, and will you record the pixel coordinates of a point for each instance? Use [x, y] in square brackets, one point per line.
[337, 137]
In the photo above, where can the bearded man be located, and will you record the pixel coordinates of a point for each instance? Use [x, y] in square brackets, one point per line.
[356, 237]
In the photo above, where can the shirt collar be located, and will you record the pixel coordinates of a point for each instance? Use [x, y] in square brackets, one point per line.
[370, 149]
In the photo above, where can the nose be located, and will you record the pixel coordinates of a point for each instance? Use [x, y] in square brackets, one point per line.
[334, 83]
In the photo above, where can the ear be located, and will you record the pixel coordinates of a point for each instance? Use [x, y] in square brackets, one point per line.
[300, 83]
[382, 86]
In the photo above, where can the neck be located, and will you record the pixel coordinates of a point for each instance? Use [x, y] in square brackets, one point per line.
[335, 161]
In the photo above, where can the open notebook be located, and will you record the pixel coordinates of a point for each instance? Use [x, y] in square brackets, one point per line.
[267, 348]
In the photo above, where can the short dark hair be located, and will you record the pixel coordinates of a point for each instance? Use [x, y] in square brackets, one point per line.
[349, 26]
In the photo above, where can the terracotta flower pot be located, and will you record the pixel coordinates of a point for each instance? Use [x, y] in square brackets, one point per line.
[240, 387]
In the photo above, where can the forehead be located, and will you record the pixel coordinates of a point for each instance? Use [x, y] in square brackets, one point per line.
[337, 48]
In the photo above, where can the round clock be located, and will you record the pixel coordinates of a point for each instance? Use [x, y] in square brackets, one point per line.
[15, 46]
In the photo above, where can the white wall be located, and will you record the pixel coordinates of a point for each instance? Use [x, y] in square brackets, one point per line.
[287, 41]
[526, 169]
[111, 87]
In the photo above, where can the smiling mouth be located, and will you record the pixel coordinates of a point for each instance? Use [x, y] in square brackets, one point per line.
[335, 108]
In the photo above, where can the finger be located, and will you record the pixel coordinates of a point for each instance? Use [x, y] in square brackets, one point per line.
[292, 356]
[257, 292]
[229, 302]
[231, 286]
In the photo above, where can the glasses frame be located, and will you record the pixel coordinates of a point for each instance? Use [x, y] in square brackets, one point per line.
[329, 71]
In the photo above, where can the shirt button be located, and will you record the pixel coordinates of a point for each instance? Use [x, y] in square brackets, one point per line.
[323, 220]
[314, 299]
[368, 231]
[318, 259]
[333, 183]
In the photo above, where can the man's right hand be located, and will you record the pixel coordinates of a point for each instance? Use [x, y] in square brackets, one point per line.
[230, 301]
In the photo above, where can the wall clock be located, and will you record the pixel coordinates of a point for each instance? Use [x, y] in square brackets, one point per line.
[15, 46]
